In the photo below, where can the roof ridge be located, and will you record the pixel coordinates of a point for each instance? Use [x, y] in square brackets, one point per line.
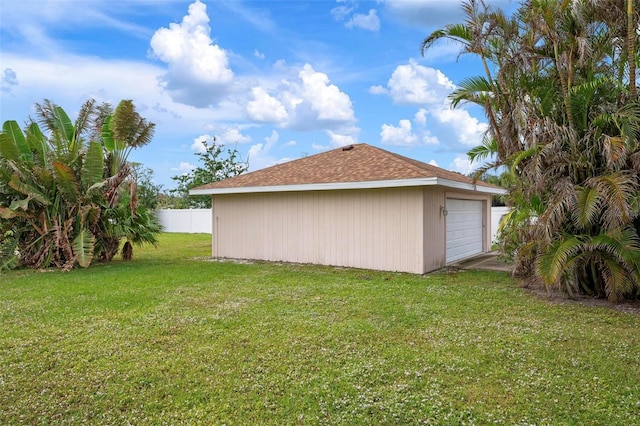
[406, 160]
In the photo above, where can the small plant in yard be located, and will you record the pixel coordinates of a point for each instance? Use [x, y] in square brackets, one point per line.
[172, 338]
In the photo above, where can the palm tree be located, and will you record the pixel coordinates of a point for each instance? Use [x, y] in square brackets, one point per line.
[567, 129]
[122, 131]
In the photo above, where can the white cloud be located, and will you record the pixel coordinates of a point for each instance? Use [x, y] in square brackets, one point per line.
[229, 136]
[9, 79]
[338, 140]
[469, 130]
[421, 117]
[233, 136]
[428, 139]
[199, 72]
[69, 80]
[414, 84]
[345, 13]
[378, 90]
[184, 168]
[369, 22]
[259, 154]
[290, 143]
[258, 54]
[429, 88]
[399, 136]
[198, 143]
[318, 147]
[405, 135]
[304, 100]
[340, 13]
[271, 139]
[433, 163]
[325, 99]
[265, 108]
[461, 164]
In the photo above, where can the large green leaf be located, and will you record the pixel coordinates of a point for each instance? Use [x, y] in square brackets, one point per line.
[66, 181]
[37, 142]
[93, 165]
[29, 190]
[83, 248]
[107, 135]
[12, 142]
[64, 125]
[13, 130]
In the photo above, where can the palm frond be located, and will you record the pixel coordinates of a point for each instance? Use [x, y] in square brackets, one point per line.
[85, 117]
[45, 115]
[616, 191]
[559, 259]
[617, 280]
[488, 148]
[456, 32]
[476, 90]
[622, 244]
[587, 207]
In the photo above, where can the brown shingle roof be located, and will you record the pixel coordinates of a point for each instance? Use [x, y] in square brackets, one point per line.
[357, 163]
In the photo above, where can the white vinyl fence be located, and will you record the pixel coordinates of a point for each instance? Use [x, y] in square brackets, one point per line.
[195, 221]
[497, 213]
[191, 221]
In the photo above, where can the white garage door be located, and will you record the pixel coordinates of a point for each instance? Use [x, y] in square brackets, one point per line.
[464, 229]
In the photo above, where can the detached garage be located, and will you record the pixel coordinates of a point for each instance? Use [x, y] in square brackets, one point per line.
[357, 206]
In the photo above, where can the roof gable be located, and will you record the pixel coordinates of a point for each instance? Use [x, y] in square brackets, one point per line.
[351, 164]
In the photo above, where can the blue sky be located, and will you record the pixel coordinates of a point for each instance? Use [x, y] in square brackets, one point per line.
[278, 80]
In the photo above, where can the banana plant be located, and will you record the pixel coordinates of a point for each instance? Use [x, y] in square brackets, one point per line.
[49, 191]
[60, 185]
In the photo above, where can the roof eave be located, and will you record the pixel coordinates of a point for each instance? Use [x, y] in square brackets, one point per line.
[376, 184]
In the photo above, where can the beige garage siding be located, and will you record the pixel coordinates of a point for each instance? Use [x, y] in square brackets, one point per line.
[434, 229]
[375, 229]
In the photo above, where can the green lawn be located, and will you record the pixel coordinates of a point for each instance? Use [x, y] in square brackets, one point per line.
[169, 339]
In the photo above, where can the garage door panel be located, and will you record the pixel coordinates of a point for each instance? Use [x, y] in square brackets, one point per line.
[464, 229]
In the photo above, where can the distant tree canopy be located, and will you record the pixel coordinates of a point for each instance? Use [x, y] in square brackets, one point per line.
[559, 91]
[216, 163]
[147, 190]
[67, 195]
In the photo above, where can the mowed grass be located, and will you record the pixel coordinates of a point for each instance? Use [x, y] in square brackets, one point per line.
[170, 339]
